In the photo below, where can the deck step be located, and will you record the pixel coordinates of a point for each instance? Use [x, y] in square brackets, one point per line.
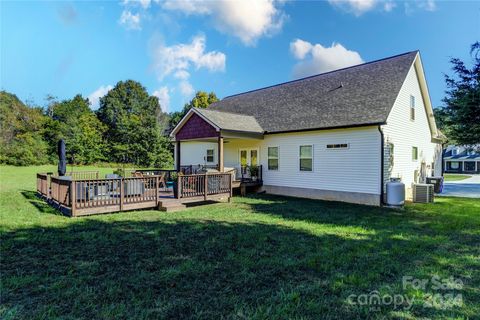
[171, 206]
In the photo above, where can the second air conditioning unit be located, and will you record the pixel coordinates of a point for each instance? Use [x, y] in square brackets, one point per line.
[423, 192]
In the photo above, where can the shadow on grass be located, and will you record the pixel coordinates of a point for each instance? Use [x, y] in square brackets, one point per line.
[211, 269]
[40, 204]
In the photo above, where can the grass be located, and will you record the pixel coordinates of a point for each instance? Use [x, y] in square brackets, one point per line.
[259, 257]
[455, 177]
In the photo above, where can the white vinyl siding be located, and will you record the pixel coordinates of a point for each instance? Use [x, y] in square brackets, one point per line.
[195, 152]
[404, 133]
[354, 169]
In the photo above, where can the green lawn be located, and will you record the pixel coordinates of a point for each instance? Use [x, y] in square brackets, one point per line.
[260, 257]
[455, 177]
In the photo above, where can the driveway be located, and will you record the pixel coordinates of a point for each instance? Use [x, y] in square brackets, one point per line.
[469, 188]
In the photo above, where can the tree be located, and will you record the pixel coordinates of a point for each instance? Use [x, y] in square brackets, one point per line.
[135, 126]
[460, 117]
[202, 99]
[21, 132]
[73, 121]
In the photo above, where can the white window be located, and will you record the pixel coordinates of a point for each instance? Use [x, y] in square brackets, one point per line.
[412, 107]
[454, 165]
[414, 153]
[210, 157]
[337, 146]
[454, 152]
[306, 158]
[272, 158]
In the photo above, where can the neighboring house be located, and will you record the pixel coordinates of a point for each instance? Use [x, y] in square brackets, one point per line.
[458, 159]
[340, 135]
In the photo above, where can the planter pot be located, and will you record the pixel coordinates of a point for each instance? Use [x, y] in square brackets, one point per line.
[175, 189]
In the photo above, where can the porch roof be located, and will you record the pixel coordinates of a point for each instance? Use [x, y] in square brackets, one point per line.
[202, 123]
[231, 121]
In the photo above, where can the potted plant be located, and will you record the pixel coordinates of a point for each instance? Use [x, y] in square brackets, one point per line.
[253, 170]
[174, 176]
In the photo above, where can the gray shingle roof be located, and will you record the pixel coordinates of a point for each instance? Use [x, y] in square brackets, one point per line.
[231, 121]
[358, 95]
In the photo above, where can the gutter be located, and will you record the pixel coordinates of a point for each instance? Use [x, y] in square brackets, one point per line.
[327, 128]
[382, 163]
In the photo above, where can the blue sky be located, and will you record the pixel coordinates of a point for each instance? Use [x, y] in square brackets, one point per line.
[177, 47]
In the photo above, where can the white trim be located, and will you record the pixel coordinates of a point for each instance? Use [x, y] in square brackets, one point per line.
[213, 155]
[300, 158]
[278, 158]
[249, 156]
[425, 95]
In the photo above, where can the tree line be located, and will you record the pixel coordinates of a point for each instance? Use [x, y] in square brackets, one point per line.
[129, 127]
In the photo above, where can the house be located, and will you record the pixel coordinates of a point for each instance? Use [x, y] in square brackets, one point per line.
[459, 159]
[339, 135]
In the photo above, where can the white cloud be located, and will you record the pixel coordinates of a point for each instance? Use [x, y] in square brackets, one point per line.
[145, 4]
[247, 20]
[182, 74]
[389, 6]
[319, 59]
[130, 21]
[163, 96]
[94, 97]
[428, 5]
[178, 59]
[186, 88]
[357, 7]
[300, 48]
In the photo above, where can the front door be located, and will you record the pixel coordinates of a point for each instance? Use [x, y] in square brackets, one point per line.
[248, 158]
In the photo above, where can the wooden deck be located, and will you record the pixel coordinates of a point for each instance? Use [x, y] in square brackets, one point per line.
[80, 197]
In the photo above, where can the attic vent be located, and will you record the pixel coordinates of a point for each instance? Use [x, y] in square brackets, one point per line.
[337, 146]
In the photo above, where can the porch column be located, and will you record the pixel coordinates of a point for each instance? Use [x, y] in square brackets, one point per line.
[177, 156]
[220, 154]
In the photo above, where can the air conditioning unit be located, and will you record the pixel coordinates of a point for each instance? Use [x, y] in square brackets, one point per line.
[423, 192]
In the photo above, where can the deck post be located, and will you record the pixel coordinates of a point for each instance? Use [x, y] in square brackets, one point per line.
[231, 189]
[220, 154]
[179, 186]
[177, 156]
[122, 195]
[73, 198]
[157, 189]
[205, 186]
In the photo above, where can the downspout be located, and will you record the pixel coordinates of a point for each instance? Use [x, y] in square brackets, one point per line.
[382, 163]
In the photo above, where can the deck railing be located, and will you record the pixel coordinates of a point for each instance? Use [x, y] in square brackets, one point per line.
[156, 172]
[195, 169]
[60, 191]
[196, 185]
[249, 173]
[79, 175]
[43, 184]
